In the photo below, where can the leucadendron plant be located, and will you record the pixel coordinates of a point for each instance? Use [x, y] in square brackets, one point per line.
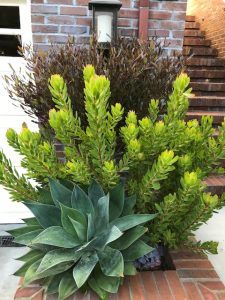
[163, 159]
[81, 240]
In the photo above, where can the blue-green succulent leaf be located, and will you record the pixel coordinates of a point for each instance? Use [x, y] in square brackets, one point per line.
[67, 286]
[116, 202]
[129, 268]
[81, 201]
[91, 227]
[95, 192]
[129, 203]
[108, 283]
[111, 262]
[130, 221]
[56, 236]
[80, 229]
[27, 238]
[103, 295]
[22, 230]
[84, 267]
[60, 193]
[136, 250]
[102, 214]
[47, 215]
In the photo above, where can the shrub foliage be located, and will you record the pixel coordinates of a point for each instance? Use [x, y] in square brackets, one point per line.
[163, 160]
[138, 72]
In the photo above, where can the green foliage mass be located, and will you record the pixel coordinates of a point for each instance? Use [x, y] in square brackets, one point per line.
[162, 158]
[81, 241]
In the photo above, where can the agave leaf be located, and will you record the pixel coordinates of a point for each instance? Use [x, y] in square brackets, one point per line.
[66, 214]
[129, 269]
[67, 183]
[30, 255]
[67, 286]
[53, 286]
[102, 214]
[116, 202]
[83, 269]
[22, 230]
[47, 215]
[99, 242]
[60, 193]
[23, 269]
[111, 262]
[128, 238]
[56, 236]
[103, 295]
[31, 272]
[80, 230]
[136, 250]
[107, 283]
[58, 256]
[95, 192]
[81, 201]
[129, 203]
[30, 221]
[45, 197]
[130, 221]
[27, 238]
[91, 227]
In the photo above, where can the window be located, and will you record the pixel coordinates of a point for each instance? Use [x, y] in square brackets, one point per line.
[15, 26]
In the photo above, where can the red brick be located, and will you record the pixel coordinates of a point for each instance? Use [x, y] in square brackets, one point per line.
[192, 291]
[126, 13]
[207, 294]
[61, 20]
[162, 285]
[187, 254]
[144, 3]
[174, 6]
[124, 291]
[159, 32]
[197, 273]
[65, 2]
[72, 10]
[44, 9]
[214, 285]
[160, 15]
[44, 28]
[26, 292]
[175, 285]
[193, 264]
[137, 289]
[82, 2]
[151, 291]
[143, 24]
[37, 19]
[84, 21]
[126, 3]
[38, 38]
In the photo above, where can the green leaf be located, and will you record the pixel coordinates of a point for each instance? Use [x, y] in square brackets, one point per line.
[60, 193]
[30, 221]
[27, 238]
[136, 250]
[102, 214]
[56, 236]
[107, 283]
[58, 256]
[103, 295]
[30, 255]
[116, 202]
[22, 270]
[128, 238]
[95, 192]
[80, 230]
[83, 269]
[129, 203]
[91, 227]
[67, 286]
[130, 221]
[22, 230]
[31, 272]
[66, 214]
[81, 201]
[53, 286]
[45, 197]
[47, 215]
[129, 269]
[111, 262]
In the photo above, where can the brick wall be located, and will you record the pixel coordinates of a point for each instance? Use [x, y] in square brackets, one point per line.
[211, 15]
[54, 20]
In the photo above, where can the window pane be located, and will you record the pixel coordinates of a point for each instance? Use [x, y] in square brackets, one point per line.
[9, 17]
[9, 45]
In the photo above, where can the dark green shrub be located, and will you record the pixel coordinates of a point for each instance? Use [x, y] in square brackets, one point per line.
[138, 72]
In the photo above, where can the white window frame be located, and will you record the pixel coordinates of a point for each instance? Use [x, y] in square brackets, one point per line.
[25, 30]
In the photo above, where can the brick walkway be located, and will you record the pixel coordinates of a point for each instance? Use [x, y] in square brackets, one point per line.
[194, 278]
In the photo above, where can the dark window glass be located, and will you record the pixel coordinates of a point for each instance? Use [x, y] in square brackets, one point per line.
[9, 17]
[9, 45]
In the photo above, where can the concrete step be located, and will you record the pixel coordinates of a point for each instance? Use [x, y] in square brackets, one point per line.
[192, 41]
[207, 74]
[193, 33]
[200, 51]
[216, 184]
[208, 86]
[218, 116]
[205, 62]
[207, 101]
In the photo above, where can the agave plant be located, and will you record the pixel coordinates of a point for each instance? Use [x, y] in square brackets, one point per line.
[81, 240]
